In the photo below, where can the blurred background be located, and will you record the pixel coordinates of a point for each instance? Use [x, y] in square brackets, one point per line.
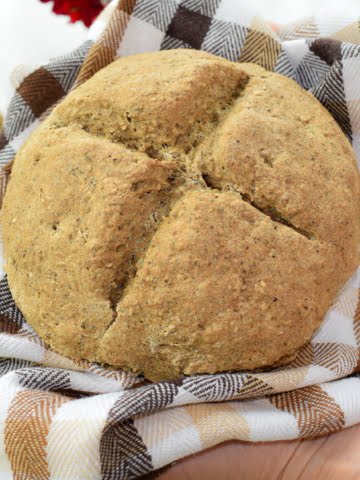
[31, 33]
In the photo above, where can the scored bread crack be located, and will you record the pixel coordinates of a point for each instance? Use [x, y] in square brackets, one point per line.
[182, 154]
[117, 293]
[268, 210]
[180, 150]
[275, 216]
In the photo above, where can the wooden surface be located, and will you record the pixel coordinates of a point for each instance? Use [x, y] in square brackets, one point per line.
[334, 457]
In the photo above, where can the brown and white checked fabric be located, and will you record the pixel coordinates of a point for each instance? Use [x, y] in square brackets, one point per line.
[66, 420]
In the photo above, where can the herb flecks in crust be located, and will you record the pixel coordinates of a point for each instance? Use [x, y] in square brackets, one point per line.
[181, 214]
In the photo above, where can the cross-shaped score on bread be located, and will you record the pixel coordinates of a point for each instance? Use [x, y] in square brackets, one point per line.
[179, 214]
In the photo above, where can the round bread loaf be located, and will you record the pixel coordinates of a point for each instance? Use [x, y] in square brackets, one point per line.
[179, 214]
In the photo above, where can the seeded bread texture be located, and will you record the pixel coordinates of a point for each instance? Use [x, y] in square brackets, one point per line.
[179, 214]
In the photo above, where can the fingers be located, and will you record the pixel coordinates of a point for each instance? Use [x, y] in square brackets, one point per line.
[333, 457]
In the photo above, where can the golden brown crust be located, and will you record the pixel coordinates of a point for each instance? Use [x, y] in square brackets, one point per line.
[180, 227]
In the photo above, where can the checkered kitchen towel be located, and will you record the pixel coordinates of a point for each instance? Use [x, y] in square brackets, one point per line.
[61, 419]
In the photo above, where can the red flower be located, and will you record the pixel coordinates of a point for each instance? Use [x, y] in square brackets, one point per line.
[83, 10]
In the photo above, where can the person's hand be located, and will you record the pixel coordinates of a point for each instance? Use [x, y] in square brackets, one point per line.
[334, 457]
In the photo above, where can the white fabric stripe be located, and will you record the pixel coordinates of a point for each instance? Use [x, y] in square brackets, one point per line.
[266, 422]
[296, 50]
[178, 445]
[351, 68]
[235, 11]
[74, 436]
[317, 374]
[15, 346]
[356, 147]
[9, 387]
[168, 427]
[336, 328]
[140, 37]
[20, 139]
[184, 397]
[90, 382]
[102, 20]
